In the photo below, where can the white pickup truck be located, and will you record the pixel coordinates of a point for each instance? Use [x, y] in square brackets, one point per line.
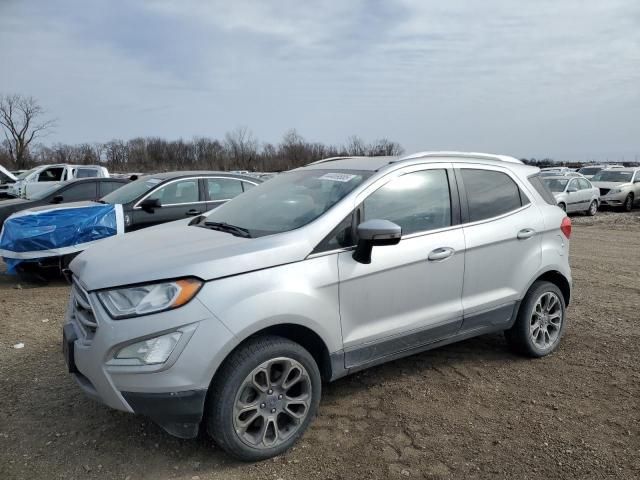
[40, 178]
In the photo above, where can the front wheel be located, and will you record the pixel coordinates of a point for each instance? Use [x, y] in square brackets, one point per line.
[593, 208]
[263, 398]
[540, 322]
[627, 206]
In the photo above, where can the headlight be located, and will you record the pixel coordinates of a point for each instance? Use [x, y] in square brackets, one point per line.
[615, 190]
[148, 352]
[144, 299]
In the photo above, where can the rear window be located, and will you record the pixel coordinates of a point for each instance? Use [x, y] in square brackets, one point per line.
[540, 187]
[491, 193]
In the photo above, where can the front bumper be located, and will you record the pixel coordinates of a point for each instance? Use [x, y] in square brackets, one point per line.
[614, 200]
[172, 393]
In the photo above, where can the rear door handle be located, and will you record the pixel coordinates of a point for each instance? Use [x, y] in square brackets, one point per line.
[193, 212]
[526, 233]
[441, 253]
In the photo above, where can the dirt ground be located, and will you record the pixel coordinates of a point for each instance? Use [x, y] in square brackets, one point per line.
[470, 410]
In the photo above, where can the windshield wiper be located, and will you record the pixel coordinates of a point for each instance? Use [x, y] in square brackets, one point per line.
[225, 227]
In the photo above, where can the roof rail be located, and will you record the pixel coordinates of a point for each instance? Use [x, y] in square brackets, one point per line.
[485, 156]
[323, 160]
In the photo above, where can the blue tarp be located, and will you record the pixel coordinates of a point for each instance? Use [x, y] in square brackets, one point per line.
[50, 232]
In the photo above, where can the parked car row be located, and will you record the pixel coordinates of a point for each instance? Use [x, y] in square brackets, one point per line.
[613, 186]
[148, 201]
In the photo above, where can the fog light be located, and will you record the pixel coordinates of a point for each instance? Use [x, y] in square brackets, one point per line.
[149, 352]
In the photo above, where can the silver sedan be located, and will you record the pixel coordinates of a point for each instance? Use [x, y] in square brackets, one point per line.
[574, 194]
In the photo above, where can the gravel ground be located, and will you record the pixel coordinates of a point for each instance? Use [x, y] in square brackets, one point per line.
[470, 410]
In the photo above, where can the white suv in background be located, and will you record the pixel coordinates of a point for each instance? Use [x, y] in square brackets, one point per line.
[40, 178]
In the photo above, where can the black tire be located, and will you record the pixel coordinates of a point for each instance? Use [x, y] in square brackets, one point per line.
[627, 206]
[219, 410]
[591, 211]
[519, 336]
[563, 207]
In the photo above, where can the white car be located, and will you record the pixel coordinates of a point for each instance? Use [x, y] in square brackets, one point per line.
[619, 187]
[573, 194]
[42, 177]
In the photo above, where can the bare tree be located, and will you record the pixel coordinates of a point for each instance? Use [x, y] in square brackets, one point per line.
[242, 147]
[20, 119]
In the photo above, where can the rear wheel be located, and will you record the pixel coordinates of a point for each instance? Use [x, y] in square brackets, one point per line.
[627, 206]
[263, 399]
[540, 322]
[593, 208]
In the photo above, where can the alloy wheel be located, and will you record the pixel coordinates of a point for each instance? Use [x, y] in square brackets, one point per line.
[546, 321]
[272, 403]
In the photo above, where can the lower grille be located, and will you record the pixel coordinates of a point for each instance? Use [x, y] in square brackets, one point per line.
[604, 191]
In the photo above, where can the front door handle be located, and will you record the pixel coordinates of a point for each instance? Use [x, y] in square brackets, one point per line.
[526, 233]
[441, 253]
[193, 212]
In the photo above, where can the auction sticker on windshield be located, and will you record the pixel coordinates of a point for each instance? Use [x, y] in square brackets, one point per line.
[337, 177]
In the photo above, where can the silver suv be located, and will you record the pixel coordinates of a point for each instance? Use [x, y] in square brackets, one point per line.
[234, 320]
[619, 187]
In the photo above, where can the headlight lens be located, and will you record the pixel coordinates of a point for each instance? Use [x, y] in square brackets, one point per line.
[615, 190]
[152, 298]
[149, 352]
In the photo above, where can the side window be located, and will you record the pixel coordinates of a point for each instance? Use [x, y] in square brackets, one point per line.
[418, 201]
[542, 189]
[108, 187]
[584, 184]
[86, 173]
[573, 184]
[183, 191]
[80, 191]
[51, 174]
[247, 186]
[490, 193]
[223, 188]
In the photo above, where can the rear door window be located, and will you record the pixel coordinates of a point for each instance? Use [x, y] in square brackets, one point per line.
[490, 193]
[108, 187]
[80, 191]
[175, 193]
[223, 188]
[86, 172]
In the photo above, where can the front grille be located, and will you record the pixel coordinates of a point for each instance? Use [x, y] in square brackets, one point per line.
[604, 191]
[82, 312]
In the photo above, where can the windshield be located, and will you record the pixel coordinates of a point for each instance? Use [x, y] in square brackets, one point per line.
[131, 191]
[43, 193]
[288, 201]
[616, 176]
[24, 175]
[556, 184]
[589, 170]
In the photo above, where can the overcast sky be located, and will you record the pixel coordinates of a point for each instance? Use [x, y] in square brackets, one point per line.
[544, 78]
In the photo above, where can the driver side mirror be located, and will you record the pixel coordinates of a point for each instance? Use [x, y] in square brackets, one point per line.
[57, 199]
[572, 190]
[375, 233]
[150, 204]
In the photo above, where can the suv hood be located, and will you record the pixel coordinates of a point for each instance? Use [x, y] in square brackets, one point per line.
[610, 184]
[173, 251]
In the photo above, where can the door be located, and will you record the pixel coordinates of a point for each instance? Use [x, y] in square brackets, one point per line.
[503, 244]
[586, 193]
[575, 199]
[410, 293]
[178, 199]
[44, 180]
[222, 189]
